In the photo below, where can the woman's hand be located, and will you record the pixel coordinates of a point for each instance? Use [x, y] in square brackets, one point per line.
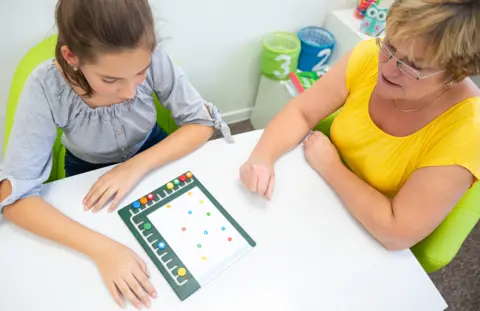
[258, 176]
[125, 275]
[320, 153]
[116, 183]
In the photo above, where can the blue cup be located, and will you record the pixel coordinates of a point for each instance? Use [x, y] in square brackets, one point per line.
[317, 47]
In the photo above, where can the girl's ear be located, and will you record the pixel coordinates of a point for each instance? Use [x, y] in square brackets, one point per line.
[70, 57]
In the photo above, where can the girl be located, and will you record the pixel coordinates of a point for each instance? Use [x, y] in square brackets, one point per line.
[99, 91]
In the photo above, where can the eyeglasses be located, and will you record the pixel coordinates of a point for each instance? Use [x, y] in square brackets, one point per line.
[406, 69]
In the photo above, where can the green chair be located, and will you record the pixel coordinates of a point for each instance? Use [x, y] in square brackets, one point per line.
[442, 245]
[38, 54]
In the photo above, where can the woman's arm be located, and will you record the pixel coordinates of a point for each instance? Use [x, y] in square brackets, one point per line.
[420, 206]
[290, 126]
[427, 197]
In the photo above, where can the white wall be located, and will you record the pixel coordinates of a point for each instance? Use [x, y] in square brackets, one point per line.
[217, 42]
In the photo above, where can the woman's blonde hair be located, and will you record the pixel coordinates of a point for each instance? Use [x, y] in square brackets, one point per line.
[450, 28]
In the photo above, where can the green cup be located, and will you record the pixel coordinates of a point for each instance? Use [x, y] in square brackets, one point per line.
[280, 55]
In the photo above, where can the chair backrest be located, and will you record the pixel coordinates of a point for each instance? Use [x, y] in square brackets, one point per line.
[442, 245]
[35, 56]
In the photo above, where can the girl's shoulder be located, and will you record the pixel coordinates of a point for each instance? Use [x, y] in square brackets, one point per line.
[164, 68]
[48, 76]
[47, 84]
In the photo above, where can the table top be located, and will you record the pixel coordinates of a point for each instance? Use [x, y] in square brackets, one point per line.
[310, 254]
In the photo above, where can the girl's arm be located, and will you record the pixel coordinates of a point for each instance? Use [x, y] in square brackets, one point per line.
[37, 216]
[123, 272]
[290, 126]
[178, 144]
[27, 165]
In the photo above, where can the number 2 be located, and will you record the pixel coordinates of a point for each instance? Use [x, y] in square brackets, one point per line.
[287, 60]
[325, 54]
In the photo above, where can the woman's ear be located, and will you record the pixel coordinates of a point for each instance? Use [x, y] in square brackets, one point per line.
[70, 57]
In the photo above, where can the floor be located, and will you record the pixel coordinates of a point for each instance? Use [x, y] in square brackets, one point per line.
[459, 282]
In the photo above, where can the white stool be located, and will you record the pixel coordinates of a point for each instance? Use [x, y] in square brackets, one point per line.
[272, 95]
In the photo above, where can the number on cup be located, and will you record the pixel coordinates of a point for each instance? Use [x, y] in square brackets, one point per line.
[325, 54]
[287, 60]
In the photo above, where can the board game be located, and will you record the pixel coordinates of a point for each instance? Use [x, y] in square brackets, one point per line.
[186, 232]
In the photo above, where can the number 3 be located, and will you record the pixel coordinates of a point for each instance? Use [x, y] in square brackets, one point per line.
[287, 60]
[325, 54]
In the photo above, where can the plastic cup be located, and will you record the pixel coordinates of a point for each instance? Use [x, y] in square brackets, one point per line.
[280, 55]
[317, 45]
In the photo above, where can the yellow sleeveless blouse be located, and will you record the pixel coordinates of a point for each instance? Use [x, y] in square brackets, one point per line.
[384, 161]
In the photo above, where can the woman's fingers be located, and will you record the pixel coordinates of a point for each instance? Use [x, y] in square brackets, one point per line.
[270, 187]
[252, 179]
[262, 181]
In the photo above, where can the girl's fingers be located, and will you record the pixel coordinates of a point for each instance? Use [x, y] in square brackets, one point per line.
[137, 288]
[142, 278]
[128, 293]
[103, 199]
[141, 263]
[116, 200]
[117, 296]
[94, 194]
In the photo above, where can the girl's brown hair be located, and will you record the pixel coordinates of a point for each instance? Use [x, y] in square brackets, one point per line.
[450, 29]
[91, 27]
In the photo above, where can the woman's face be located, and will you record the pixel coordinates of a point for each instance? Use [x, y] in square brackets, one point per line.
[398, 81]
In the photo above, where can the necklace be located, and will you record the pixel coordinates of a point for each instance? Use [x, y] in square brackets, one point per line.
[417, 109]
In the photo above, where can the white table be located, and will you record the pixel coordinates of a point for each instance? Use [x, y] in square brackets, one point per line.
[310, 254]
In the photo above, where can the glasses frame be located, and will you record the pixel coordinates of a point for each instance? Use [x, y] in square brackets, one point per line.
[390, 55]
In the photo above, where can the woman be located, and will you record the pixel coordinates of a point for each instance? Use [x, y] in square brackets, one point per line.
[408, 129]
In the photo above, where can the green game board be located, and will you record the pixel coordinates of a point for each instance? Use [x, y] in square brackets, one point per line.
[187, 233]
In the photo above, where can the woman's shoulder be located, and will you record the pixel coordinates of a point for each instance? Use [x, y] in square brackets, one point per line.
[461, 120]
[362, 66]
[454, 137]
[466, 109]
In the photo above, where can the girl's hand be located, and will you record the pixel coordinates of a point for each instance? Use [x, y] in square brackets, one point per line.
[116, 183]
[258, 176]
[125, 275]
[320, 153]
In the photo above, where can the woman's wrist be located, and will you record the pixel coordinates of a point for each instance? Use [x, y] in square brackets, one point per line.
[262, 155]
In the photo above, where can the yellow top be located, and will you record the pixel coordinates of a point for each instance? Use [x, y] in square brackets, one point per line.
[385, 161]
